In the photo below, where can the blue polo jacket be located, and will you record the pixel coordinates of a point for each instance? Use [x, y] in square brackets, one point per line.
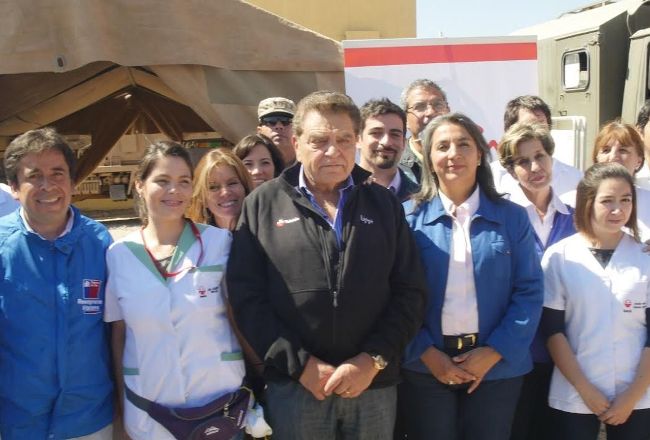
[54, 361]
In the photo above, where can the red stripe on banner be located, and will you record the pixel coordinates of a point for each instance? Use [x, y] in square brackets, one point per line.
[452, 53]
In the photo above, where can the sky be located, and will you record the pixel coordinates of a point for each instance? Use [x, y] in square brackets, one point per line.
[473, 18]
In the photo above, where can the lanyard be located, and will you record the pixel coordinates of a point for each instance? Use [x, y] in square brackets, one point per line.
[163, 272]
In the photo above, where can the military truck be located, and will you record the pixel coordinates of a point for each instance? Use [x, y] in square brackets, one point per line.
[593, 66]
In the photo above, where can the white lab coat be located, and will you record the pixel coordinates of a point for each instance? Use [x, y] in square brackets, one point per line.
[180, 349]
[604, 315]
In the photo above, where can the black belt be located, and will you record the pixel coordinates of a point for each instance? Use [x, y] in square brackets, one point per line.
[461, 341]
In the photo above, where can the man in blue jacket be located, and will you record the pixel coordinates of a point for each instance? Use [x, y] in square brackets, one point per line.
[54, 362]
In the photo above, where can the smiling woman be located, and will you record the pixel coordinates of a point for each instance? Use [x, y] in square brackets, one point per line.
[602, 366]
[220, 185]
[260, 156]
[467, 361]
[621, 143]
[165, 302]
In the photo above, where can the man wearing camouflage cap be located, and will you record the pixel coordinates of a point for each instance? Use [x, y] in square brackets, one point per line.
[275, 122]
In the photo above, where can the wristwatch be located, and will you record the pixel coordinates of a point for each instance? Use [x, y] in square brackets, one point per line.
[379, 362]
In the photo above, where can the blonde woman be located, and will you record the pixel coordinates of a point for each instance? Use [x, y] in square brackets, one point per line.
[221, 182]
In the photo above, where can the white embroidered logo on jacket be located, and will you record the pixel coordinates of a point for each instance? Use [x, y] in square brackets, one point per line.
[282, 222]
[366, 220]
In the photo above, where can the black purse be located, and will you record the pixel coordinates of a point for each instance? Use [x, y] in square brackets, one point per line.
[220, 419]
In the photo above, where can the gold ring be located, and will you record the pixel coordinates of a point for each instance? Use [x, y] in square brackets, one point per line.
[451, 382]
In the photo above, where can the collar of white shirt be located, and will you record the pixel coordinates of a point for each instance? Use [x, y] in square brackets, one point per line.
[517, 196]
[68, 225]
[470, 205]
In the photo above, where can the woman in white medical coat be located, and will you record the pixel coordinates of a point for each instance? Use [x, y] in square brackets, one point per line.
[172, 342]
[595, 314]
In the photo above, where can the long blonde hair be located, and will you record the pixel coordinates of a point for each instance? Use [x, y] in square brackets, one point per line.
[198, 210]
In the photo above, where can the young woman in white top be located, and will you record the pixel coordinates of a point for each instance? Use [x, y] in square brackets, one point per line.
[622, 143]
[172, 341]
[595, 314]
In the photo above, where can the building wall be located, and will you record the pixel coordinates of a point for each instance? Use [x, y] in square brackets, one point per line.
[348, 19]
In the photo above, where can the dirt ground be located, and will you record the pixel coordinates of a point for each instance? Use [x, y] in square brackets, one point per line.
[119, 229]
[119, 223]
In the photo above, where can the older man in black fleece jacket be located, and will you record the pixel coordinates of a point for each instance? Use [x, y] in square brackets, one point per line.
[326, 284]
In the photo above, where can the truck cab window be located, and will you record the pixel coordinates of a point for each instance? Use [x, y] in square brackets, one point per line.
[575, 70]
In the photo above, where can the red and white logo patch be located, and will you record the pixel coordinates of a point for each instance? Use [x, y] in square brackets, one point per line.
[90, 302]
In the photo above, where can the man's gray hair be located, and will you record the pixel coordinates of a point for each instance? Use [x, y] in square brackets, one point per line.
[421, 83]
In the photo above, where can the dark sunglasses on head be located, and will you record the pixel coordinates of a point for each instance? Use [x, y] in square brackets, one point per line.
[271, 121]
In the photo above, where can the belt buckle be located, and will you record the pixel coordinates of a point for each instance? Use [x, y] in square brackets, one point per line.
[460, 341]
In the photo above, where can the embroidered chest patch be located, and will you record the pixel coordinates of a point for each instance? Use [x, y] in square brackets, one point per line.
[90, 302]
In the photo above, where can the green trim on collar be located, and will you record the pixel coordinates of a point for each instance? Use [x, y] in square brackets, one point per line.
[185, 241]
[233, 356]
[201, 227]
[213, 268]
[128, 371]
[141, 254]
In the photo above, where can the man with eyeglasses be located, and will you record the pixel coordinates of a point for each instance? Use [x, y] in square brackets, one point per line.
[275, 122]
[422, 100]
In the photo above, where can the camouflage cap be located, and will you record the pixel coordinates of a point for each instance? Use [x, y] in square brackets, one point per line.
[275, 105]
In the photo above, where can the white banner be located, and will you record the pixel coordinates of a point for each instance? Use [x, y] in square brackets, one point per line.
[479, 75]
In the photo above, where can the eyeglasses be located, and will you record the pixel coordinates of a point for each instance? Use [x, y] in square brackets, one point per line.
[419, 108]
[272, 121]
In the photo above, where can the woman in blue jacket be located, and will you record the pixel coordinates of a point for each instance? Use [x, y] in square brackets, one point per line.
[463, 371]
[526, 153]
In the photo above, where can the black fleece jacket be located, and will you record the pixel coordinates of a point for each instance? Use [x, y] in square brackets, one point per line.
[294, 292]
